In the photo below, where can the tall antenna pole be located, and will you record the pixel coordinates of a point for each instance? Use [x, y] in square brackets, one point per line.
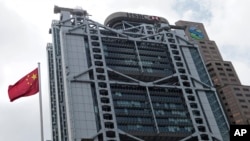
[40, 102]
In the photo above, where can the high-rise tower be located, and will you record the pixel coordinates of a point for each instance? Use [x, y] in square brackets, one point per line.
[234, 96]
[135, 78]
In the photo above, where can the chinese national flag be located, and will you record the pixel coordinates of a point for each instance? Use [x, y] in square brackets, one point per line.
[26, 86]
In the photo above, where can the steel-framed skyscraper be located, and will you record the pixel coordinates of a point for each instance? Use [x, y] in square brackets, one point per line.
[135, 78]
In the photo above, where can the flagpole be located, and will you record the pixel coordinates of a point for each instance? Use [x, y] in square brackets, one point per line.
[40, 101]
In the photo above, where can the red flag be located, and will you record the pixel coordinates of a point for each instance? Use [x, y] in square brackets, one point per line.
[26, 86]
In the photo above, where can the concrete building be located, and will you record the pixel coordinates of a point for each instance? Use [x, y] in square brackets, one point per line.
[234, 96]
[135, 78]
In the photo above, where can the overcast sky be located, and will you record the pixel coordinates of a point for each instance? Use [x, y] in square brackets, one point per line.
[24, 26]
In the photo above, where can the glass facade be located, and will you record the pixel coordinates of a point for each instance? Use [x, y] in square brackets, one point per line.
[211, 96]
[128, 80]
[201, 69]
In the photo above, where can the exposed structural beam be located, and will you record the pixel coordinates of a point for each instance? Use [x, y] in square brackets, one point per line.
[164, 78]
[129, 135]
[111, 70]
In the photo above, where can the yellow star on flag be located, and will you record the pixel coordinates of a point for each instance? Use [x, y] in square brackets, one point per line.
[34, 76]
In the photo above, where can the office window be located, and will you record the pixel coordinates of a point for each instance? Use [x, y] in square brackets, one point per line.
[214, 52]
[212, 47]
[238, 94]
[236, 89]
[213, 74]
[245, 89]
[210, 43]
[224, 79]
[118, 93]
[209, 70]
[147, 63]
[244, 106]
[218, 64]
[234, 80]
[207, 56]
[149, 70]
[247, 113]
[222, 74]
[220, 68]
[208, 65]
[242, 100]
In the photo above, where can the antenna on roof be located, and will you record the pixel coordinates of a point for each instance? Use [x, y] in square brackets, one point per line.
[76, 11]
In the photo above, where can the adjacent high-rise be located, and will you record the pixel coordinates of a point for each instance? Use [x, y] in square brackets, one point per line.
[135, 78]
[234, 96]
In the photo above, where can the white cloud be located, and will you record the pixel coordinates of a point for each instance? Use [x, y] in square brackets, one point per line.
[229, 28]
